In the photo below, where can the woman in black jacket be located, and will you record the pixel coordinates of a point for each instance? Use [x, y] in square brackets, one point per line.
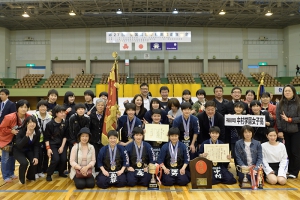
[288, 124]
[96, 125]
[26, 149]
[55, 140]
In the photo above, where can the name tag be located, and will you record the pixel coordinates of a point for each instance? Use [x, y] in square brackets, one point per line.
[186, 142]
[113, 177]
[174, 172]
[139, 172]
[217, 172]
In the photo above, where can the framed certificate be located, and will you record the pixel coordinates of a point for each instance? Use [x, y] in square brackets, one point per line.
[217, 152]
[156, 132]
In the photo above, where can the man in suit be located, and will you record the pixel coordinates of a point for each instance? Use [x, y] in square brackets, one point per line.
[236, 94]
[219, 100]
[208, 119]
[6, 106]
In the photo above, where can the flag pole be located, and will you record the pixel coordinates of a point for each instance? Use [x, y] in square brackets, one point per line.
[116, 66]
[261, 88]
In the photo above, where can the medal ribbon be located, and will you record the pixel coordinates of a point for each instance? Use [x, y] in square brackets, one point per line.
[173, 152]
[186, 126]
[112, 157]
[138, 153]
[130, 128]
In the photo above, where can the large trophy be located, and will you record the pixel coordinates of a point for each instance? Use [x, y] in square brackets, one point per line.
[153, 183]
[245, 170]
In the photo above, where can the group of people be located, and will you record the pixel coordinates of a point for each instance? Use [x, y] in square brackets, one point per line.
[70, 136]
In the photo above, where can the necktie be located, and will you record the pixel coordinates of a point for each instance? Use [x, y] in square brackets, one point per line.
[99, 116]
[210, 122]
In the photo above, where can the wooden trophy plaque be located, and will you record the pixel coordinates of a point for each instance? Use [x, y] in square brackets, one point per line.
[201, 173]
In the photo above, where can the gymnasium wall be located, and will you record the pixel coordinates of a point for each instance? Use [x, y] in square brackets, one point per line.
[88, 46]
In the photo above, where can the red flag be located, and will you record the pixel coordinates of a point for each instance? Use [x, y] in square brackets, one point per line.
[112, 107]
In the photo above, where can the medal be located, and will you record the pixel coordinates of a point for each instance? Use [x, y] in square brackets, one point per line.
[215, 163]
[159, 142]
[173, 153]
[173, 164]
[186, 137]
[139, 153]
[139, 164]
[186, 126]
[130, 128]
[112, 156]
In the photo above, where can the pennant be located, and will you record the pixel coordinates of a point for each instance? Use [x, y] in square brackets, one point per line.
[112, 108]
[261, 87]
[125, 46]
[141, 46]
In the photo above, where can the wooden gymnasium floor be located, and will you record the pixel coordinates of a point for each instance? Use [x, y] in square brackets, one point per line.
[63, 188]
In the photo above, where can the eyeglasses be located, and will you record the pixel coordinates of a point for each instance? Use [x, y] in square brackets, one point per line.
[144, 88]
[236, 92]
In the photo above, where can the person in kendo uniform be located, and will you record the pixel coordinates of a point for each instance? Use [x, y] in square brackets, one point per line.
[127, 123]
[188, 125]
[140, 154]
[174, 159]
[112, 161]
[156, 145]
[220, 173]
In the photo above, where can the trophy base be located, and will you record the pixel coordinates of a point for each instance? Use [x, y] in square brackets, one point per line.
[245, 185]
[153, 186]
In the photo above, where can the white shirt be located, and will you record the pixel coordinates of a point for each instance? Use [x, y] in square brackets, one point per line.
[248, 153]
[275, 154]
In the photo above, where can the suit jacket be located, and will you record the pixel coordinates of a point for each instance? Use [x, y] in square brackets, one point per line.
[9, 107]
[218, 120]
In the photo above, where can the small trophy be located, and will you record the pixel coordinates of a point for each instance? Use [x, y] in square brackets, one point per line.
[153, 183]
[260, 177]
[245, 170]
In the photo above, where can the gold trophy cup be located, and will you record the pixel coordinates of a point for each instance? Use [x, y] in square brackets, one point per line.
[153, 183]
[245, 170]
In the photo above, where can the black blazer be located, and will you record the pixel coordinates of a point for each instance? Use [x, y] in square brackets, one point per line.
[22, 142]
[204, 126]
[9, 107]
[229, 108]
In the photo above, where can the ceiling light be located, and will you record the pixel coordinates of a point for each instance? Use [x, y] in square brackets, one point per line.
[175, 11]
[269, 13]
[72, 13]
[292, 14]
[119, 12]
[25, 14]
[222, 12]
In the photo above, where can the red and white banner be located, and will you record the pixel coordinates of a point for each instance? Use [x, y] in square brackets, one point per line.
[125, 46]
[141, 46]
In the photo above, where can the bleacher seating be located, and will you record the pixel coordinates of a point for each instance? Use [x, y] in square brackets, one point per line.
[28, 81]
[239, 80]
[147, 78]
[82, 81]
[122, 78]
[2, 84]
[175, 78]
[55, 81]
[212, 80]
[269, 81]
[295, 81]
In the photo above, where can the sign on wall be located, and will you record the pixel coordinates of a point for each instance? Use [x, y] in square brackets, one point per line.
[135, 37]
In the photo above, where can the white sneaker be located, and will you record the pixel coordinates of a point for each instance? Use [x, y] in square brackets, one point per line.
[292, 176]
[36, 176]
[41, 175]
